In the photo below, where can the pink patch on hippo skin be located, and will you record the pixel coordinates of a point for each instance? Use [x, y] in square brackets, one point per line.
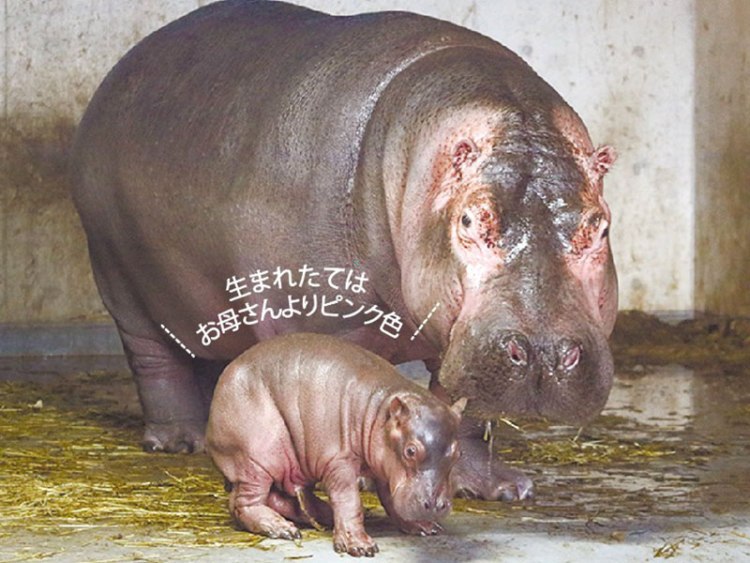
[465, 152]
[602, 160]
[588, 258]
[467, 138]
[475, 235]
[588, 255]
[459, 175]
[590, 239]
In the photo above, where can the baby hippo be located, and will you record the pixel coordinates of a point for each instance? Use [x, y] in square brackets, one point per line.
[307, 408]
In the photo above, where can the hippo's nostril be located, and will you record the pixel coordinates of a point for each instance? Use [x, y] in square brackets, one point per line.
[570, 355]
[516, 346]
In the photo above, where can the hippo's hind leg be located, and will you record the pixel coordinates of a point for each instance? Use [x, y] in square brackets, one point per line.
[174, 405]
[174, 408]
[306, 508]
[249, 506]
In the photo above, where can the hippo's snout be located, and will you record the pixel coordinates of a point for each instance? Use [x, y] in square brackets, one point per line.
[517, 347]
[559, 375]
[559, 356]
[424, 499]
[437, 504]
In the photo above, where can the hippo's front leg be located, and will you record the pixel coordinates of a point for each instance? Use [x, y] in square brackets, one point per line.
[480, 473]
[173, 404]
[349, 535]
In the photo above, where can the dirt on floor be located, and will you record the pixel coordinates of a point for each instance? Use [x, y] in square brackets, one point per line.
[709, 342]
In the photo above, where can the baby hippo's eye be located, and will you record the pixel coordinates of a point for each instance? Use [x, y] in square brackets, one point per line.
[410, 452]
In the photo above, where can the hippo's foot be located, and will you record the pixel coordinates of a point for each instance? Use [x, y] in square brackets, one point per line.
[185, 436]
[354, 542]
[420, 527]
[479, 473]
[261, 519]
[175, 407]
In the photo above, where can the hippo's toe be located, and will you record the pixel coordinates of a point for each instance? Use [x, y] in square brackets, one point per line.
[289, 532]
[355, 544]
[421, 528]
[515, 486]
[179, 437]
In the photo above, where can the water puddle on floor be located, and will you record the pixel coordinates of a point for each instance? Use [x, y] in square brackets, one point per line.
[671, 449]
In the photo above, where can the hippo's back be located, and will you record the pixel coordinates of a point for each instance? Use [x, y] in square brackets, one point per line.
[241, 90]
[227, 142]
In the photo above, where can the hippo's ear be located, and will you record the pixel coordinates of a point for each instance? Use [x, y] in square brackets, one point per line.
[600, 161]
[465, 152]
[459, 406]
[398, 409]
[462, 158]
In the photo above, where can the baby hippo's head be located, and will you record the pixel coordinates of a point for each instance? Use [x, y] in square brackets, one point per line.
[422, 438]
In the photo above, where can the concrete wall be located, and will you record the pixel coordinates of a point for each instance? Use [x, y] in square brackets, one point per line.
[665, 82]
[722, 122]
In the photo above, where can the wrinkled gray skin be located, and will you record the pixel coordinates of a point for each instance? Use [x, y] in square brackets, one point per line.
[253, 135]
[306, 408]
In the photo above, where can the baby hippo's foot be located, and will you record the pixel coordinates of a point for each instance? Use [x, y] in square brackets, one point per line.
[420, 527]
[266, 521]
[184, 436]
[354, 542]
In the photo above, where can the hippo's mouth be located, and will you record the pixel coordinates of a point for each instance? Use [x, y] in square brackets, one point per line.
[510, 378]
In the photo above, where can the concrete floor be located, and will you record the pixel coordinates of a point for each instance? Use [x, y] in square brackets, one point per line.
[688, 501]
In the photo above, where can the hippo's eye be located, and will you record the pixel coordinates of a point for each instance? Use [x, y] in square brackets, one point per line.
[410, 452]
[466, 220]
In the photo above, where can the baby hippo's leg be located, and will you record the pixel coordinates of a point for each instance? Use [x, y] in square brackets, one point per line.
[315, 510]
[349, 535]
[248, 504]
[306, 508]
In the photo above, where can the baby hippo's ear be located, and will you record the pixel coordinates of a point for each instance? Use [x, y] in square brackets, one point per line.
[459, 406]
[398, 409]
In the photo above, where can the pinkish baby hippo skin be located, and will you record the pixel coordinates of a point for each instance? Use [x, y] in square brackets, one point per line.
[307, 408]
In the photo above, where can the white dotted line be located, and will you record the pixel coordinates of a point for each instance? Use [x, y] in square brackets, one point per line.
[424, 322]
[178, 341]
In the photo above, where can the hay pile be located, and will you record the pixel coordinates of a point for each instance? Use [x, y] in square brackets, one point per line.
[71, 470]
[72, 462]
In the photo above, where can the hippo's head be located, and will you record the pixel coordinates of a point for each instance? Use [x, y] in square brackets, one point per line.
[422, 448]
[515, 247]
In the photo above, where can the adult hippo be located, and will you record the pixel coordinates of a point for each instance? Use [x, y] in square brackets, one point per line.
[258, 168]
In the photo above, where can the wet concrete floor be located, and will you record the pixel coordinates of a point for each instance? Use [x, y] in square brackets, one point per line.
[663, 473]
